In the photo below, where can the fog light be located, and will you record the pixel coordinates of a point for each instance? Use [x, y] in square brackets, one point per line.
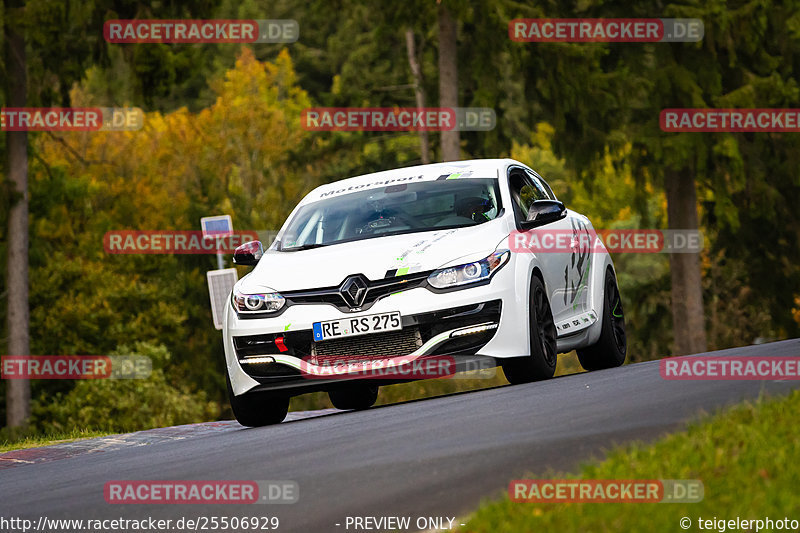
[257, 360]
[473, 330]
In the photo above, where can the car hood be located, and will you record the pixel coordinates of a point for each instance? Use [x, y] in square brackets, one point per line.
[330, 265]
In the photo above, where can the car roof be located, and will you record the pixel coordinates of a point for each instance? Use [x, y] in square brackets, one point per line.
[473, 168]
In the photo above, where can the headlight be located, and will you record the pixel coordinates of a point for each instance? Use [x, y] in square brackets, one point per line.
[468, 273]
[256, 303]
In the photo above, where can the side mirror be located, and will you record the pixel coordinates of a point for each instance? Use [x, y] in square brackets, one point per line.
[544, 212]
[248, 254]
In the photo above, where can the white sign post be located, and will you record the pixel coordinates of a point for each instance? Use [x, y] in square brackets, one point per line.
[220, 285]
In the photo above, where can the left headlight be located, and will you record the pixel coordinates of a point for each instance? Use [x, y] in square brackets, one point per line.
[269, 302]
[482, 270]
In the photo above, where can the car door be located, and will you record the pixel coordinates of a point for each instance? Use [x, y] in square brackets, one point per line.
[576, 275]
[565, 269]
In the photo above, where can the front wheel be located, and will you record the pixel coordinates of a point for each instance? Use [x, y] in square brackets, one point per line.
[256, 409]
[609, 351]
[541, 363]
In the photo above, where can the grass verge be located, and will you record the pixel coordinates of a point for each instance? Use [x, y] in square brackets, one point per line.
[747, 458]
[10, 442]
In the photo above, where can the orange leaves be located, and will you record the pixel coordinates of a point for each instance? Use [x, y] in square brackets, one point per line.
[232, 155]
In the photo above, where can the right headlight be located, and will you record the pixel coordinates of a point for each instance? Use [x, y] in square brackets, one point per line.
[265, 303]
[468, 273]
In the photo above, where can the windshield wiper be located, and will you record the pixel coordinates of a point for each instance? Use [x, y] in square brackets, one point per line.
[302, 247]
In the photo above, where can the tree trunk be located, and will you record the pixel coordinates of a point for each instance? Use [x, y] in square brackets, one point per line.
[419, 92]
[18, 392]
[688, 318]
[448, 79]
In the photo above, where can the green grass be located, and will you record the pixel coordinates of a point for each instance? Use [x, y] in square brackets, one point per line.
[20, 442]
[748, 458]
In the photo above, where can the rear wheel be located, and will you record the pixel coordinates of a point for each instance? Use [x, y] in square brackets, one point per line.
[355, 397]
[541, 363]
[257, 409]
[609, 351]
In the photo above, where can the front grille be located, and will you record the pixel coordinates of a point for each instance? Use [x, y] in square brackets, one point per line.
[389, 344]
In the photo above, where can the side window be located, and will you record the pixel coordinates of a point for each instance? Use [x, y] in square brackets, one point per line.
[524, 191]
[542, 185]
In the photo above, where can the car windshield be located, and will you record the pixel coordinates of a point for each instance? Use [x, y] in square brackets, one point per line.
[391, 210]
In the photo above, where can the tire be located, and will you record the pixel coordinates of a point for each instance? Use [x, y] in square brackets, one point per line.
[541, 363]
[609, 351]
[356, 397]
[258, 409]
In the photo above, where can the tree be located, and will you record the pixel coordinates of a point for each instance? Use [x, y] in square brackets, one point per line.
[448, 78]
[17, 390]
[688, 314]
[748, 58]
[419, 92]
[50, 44]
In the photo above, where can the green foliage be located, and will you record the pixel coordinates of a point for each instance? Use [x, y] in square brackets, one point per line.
[123, 405]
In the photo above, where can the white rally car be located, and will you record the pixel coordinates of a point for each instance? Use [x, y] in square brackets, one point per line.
[413, 263]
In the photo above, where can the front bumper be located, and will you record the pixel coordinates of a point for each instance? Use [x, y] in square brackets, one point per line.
[429, 320]
[285, 358]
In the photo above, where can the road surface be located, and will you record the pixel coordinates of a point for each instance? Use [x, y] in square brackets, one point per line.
[430, 458]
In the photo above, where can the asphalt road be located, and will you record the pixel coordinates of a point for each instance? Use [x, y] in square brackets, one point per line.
[436, 457]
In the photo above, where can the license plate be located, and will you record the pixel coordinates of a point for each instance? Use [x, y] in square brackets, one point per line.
[358, 325]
